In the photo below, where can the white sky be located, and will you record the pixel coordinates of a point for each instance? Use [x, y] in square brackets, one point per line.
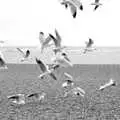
[22, 20]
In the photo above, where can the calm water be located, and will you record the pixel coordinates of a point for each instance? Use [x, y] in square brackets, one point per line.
[103, 55]
[23, 77]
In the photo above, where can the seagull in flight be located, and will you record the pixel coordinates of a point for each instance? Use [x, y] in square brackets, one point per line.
[17, 99]
[110, 83]
[26, 55]
[89, 46]
[62, 60]
[57, 42]
[45, 69]
[96, 3]
[73, 4]
[44, 41]
[3, 64]
[38, 96]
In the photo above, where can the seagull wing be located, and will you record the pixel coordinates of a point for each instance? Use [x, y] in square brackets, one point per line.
[58, 37]
[96, 7]
[41, 65]
[41, 37]
[67, 58]
[96, 1]
[73, 10]
[2, 60]
[27, 53]
[47, 40]
[14, 97]
[53, 76]
[54, 40]
[91, 41]
[23, 54]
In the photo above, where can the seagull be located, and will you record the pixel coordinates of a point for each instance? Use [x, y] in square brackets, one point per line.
[73, 4]
[44, 41]
[17, 99]
[97, 4]
[89, 46]
[57, 42]
[38, 96]
[3, 64]
[62, 60]
[25, 55]
[45, 69]
[110, 83]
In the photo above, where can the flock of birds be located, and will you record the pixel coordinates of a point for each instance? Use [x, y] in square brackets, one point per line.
[61, 59]
[74, 4]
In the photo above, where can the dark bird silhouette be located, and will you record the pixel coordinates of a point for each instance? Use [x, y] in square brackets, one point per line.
[97, 4]
[45, 69]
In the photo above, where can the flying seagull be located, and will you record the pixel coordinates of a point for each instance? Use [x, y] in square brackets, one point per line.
[57, 42]
[44, 41]
[3, 64]
[89, 46]
[24, 55]
[18, 99]
[45, 69]
[110, 83]
[96, 3]
[62, 60]
[73, 4]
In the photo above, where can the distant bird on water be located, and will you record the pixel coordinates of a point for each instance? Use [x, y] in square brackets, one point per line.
[3, 64]
[45, 70]
[44, 41]
[25, 55]
[110, 83]
[96, 3]
[17, 99]
[73, 4]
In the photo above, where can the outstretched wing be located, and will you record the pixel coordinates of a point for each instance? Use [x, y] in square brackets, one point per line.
[41, 65]
[41, 37]
[53, 76]
[97, 1]
[23, 54]
[54, 40]
[58, 37]
[2, 60]
[73, 10]
[27, 53]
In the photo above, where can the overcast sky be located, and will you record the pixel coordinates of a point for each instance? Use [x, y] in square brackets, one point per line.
[22, 20]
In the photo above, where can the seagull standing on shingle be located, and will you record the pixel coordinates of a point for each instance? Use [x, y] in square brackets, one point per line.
[73, 4]
[45, 69]
[44, 41]
[3, 64]
[110, 83]
[18, 99]
[25, 55]
[97, 4]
